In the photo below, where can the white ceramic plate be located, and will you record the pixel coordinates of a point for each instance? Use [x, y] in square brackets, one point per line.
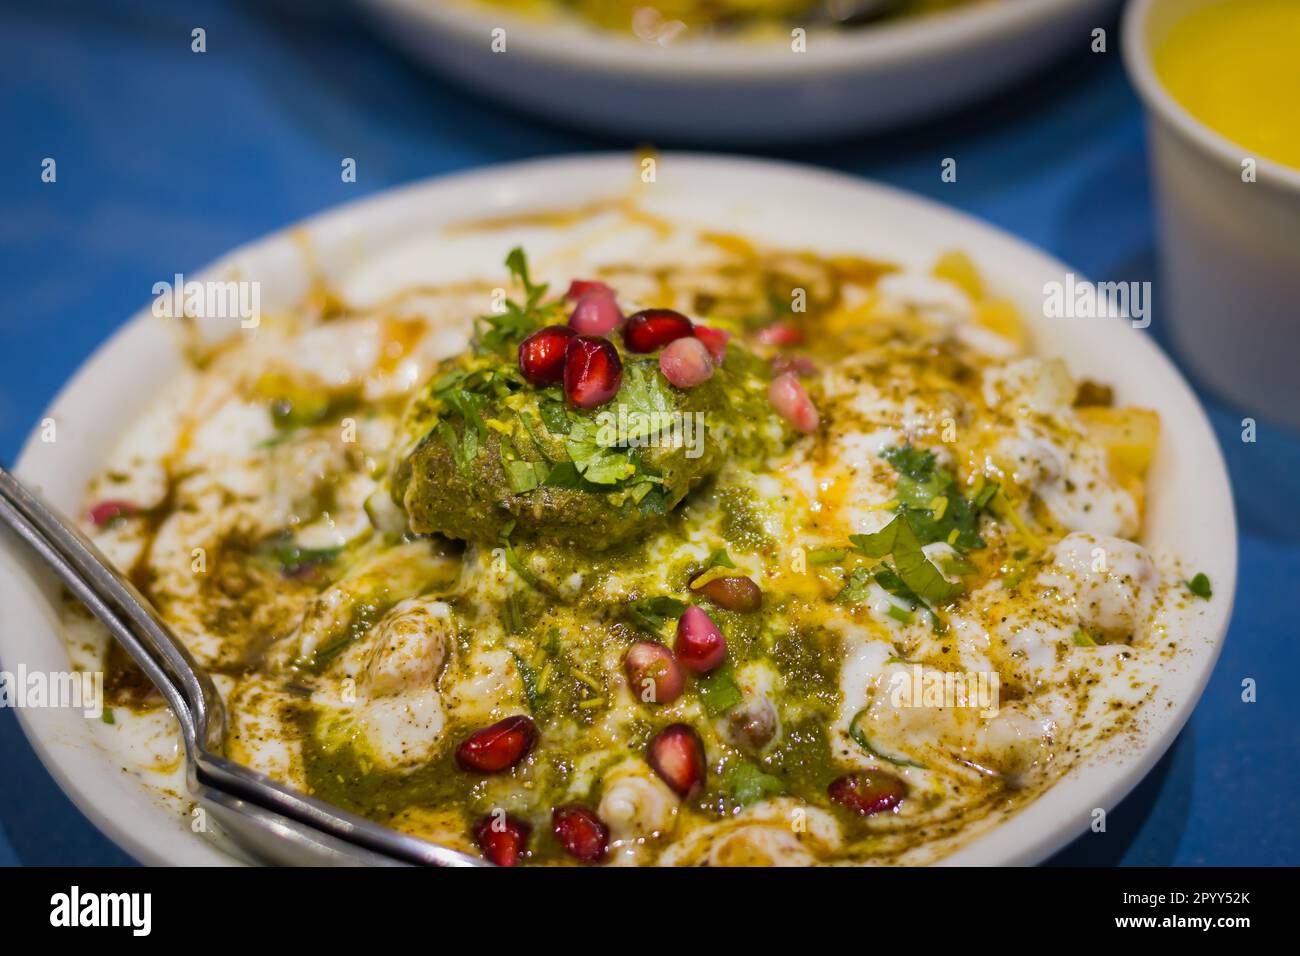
[397, 238]
[742, 91]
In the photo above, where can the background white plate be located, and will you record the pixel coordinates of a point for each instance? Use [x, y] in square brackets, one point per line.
[395, 238]
[734, 91]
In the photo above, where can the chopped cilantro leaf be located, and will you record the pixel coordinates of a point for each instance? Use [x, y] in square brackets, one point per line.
[554, 417]
[647, 397]
[502, 331]
[719, 691]
[888, 579]
[913, 569]
[595, 462]
[524, 476]
[746, 783]
[526, 422]
[899, 615]
[911, 462]
[1200, 586]
[720, 559]
[1083, 639]
[654, 501]
[930, 498]
[517, 263]
[959, 566]
[468, 405]
[652, 613]
[855, 587]
[986, 494]
[463, 447]
[605, 468]
[563, 474]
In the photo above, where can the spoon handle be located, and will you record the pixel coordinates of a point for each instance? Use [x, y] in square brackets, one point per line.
[268, 818]
[120, 607]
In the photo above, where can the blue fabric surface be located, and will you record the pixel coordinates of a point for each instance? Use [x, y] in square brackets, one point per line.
[167, 158]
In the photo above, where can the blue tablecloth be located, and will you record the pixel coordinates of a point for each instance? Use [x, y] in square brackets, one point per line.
[167, 158]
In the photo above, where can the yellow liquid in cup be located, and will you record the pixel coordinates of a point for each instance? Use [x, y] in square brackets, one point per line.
[1235, 66]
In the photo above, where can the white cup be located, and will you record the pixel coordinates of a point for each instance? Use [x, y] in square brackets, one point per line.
[1229, 248]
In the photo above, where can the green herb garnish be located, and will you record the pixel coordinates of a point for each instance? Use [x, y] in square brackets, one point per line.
[293, 559]
[463, 453]
[1200, 586]
[899, 615]
[888, 579]
[524, 476]
[827, 555]
[597, 463]
[720, 559]
[525, 572]
[719, 691]
[746, 783]
[959, 566]
[863, 741]
[364, 616]
[856, 587]
[563, 474]
[500, 332]
[913, 569]
[529, 679]
[930, 498]
[554, 417]
[512, 616]
[652, 613]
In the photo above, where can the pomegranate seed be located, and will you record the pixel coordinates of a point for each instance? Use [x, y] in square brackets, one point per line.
[503, 839]
[582, 834]
[734, 594]
[792, 403]
[653, 673]
[780, 333]
[596, 313]
[592, 371]
[868, 791]
[798, 364]
[686, 363]
[677, 756]
[580, 287]
[700, 645]
[107, 512]
[715, 340]
[651, 329]
[541, 355]
[498, 747]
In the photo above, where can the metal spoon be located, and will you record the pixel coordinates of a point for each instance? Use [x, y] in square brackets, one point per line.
[273, 822]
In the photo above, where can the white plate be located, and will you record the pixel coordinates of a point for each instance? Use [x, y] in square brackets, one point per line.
[742, 91]
[396, 237]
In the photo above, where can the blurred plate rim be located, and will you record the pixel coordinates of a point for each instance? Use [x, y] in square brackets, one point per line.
[576, 45]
